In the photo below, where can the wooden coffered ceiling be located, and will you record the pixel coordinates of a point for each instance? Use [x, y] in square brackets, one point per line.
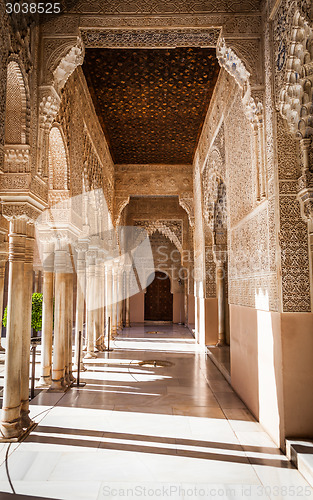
[151, 103]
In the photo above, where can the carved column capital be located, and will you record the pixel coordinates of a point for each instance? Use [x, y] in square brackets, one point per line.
[20, 211]
[219, 255]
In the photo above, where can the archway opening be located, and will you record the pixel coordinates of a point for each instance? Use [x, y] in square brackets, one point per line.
[159, 299]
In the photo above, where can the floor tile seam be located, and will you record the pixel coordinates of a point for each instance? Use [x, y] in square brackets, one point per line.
[44, 416]
[221, 408]
[254, 467]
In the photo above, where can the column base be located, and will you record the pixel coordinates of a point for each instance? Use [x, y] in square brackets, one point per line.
[220, 343]
[127, 325]
[15, 439]
[67, 380]
[26, 421]
[82, 367]
[90, 355]
[58, 386]
[100, 346]
[44, 383]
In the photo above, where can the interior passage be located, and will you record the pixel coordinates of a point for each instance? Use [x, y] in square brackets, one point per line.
[155, 416]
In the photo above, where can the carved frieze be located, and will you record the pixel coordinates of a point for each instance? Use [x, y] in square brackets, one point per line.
[150, 38]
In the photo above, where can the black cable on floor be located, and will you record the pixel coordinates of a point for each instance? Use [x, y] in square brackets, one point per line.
[130, 371]
[7, 468]
[8, 449]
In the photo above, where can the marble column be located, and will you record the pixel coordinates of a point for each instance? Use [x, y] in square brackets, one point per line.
[108, 297]
[90, 304]
[102, 306]
[98, 304]
[80, 305]
[60, 320]
[120, 299]
[220, 259]
[114, 301]
[47, 316]
[28, 289]
[70, 326]
[3, 259]
[11, 424]
[127, 305]
[220, 292]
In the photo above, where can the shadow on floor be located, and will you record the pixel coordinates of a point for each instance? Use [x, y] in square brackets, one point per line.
[72, 437]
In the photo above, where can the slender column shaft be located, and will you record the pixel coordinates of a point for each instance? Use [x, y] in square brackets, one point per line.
[28, 288]
[90, 302]
[60, 321]
[114, 302]
[66, 332]
[103, 287]
[80, 304]
[101, 306]
[98, 304]
[120, 300]
[70, 327]
[220, 285]
[109, 296]
[105, 303]
[127, 305]
[47, 330]
[36, 281]
[47, 317]
[11, 417]
[2, 276]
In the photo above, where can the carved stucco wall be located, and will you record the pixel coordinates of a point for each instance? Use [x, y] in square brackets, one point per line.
[147, 180]
[167, 226]
[4, 49]
[249, 272]
[85, 141]
[292, 230]
[20, 46]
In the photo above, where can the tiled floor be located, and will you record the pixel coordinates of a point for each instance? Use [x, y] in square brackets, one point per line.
[144, 431]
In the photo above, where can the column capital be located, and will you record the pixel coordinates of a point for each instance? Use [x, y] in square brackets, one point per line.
[219, 255]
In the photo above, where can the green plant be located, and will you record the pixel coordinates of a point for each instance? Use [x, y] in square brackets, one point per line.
[36, 313]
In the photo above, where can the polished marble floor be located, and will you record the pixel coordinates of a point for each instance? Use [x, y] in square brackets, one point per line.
[137, 430]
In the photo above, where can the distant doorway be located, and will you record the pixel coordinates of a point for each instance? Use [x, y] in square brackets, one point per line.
[159, 299]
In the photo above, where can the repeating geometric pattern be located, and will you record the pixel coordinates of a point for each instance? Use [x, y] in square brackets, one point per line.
[150, 38]
[126, 7]
[151, 103]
